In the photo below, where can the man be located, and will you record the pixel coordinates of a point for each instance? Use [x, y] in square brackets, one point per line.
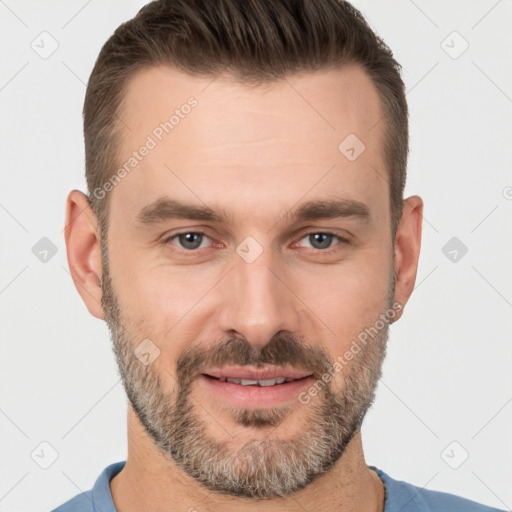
[246, 239]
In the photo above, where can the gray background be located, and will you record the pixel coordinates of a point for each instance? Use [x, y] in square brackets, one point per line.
[446, 389]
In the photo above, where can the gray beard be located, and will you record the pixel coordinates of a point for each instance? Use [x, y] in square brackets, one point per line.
[263, 468]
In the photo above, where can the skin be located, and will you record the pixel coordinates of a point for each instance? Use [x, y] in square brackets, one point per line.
[256, 154]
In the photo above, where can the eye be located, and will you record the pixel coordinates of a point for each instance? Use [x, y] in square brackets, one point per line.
[321, 240]
[190, 240]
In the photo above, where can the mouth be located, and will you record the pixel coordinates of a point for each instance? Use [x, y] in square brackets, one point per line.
[260, 382]
[255, 388]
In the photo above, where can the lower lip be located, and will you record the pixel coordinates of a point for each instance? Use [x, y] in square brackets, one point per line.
[256, 397]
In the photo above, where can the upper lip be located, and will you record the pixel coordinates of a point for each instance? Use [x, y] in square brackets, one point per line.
[240, 372]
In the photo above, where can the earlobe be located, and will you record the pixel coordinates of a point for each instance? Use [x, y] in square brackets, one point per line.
[83, 251]
[407, 250]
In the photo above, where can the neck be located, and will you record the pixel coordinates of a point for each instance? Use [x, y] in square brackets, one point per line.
[149, 481]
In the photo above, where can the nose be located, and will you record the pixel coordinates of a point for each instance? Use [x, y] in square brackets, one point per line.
[256, 302]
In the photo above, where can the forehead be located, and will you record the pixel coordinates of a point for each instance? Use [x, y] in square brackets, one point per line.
[218, 141]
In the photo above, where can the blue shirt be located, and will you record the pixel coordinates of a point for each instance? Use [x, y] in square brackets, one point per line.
[400, 497]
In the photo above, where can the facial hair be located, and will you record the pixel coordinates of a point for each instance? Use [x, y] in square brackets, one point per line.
[262, 468]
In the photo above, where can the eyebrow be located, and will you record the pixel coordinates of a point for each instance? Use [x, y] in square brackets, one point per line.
[166, 209]
[332, 209]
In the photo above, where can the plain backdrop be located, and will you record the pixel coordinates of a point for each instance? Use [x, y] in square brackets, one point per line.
[443, 413]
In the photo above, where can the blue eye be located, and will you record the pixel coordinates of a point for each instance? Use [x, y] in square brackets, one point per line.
[190, 240]
[194, 240]
[320, 240]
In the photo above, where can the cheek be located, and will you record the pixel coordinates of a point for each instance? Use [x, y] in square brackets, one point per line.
[148, 285]
[345, 298]
[169, 305]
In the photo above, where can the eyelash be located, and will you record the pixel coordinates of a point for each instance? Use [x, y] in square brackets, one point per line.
[168, 240]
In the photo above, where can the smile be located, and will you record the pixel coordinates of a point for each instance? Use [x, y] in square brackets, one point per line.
[262, 382]
[255, 387]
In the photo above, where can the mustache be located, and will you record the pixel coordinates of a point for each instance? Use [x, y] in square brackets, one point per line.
[283, 350]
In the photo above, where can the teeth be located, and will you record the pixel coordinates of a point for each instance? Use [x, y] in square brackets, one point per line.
[268, 382]
[246, 382]
[262, 382]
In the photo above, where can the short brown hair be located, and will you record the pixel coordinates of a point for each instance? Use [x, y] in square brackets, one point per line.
[256, 41]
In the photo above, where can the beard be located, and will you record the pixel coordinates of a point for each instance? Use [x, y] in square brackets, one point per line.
[263, 468]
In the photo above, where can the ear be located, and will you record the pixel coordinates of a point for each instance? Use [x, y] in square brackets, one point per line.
[407, 250]
[83, 251]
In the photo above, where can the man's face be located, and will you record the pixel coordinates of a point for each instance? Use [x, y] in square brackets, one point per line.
[290, 262]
